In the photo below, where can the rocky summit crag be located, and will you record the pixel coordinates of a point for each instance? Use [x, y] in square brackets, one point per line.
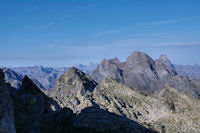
[72, 88]
[143, 73]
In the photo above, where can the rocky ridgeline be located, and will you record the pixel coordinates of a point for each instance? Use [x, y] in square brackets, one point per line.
[143, 73]
[72, 88]
[116, 107]
[139, 95]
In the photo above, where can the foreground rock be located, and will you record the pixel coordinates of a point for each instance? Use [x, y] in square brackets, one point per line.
[168, 110]
[6, 108]
[30, 104]
[102, 120]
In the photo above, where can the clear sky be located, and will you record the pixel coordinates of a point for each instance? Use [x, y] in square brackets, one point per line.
[66, 32]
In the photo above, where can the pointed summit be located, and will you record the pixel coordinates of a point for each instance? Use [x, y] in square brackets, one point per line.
[115, 60]
[164, 60]
[71, 89]
[75, 80]
[28, 86]
[106, 69]
[138, 57]
[31, 104]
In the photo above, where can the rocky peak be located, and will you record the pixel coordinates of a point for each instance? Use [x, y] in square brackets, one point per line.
[163, 59]
[30, 105]
[138, 57]
[164, 68]
[75, 80]
[72, 88]
[107, 68]
[115, 60]
[28, 85]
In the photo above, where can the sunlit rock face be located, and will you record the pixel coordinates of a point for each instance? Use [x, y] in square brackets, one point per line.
[107, 68]
[167, 110]
[73, 89]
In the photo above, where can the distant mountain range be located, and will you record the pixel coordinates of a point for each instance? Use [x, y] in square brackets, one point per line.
[192, 71]
[45, 77]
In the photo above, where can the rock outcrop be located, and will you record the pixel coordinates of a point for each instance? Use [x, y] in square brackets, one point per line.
[167, 110]
[73, 89]
[30, 104]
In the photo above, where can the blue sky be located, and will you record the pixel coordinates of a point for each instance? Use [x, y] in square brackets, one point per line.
[66, 32]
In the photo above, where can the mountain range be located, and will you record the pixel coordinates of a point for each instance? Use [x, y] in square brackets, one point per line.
[138, 95]
[45, 77]
[143, 73]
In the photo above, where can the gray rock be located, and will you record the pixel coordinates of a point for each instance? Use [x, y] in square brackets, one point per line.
[107, 68]
[12, 77]
[72, 88]
[167, 110]
[143, 73]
